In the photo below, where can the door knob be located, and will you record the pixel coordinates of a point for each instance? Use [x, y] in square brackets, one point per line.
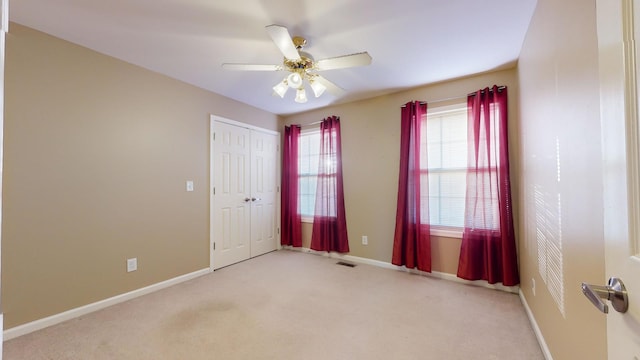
[614, 291]
[247, 199]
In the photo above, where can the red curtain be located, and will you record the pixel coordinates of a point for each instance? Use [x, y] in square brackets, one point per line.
[411, 243]
[329, 222]
[291, 220]
[488, 250]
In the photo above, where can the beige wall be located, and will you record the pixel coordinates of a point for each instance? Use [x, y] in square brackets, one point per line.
[97, 152]
[559, 103]
[370, 155]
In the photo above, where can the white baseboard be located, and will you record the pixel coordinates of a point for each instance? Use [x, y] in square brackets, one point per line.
[536, 329]
[89, 308]
[386, 265]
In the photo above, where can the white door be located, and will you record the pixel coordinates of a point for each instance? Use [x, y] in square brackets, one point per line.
[619, 121]
[245, 192]
[232, 205]
[263, 192]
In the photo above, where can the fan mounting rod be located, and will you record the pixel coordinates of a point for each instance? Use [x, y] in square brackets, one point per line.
[299, 42]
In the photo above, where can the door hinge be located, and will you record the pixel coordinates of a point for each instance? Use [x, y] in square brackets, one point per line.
[214, 136]
[214, 191]
[214, 246]
[278, 231]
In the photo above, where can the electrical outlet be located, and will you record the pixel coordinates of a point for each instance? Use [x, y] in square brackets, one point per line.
[132, 264]
[365, 240]
[533, 286]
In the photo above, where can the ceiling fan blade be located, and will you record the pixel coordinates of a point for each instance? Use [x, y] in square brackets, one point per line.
[331, 87]
[282, 39]
[251, 67]
[345, 61]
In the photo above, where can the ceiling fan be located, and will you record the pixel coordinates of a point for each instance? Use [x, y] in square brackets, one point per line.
[302, 66]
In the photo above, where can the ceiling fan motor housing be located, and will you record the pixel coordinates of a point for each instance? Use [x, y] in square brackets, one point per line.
[305, 63]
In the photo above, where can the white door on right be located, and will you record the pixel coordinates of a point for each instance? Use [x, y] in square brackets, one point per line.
[264, 191]
[621, 149]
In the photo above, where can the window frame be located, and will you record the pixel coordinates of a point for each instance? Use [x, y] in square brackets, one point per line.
[306, 218]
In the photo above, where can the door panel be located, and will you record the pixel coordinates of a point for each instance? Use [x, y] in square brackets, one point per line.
[619, 119]
[264, 190]
[231, 183]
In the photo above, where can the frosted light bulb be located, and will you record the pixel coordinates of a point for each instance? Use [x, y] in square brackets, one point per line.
[301, 96]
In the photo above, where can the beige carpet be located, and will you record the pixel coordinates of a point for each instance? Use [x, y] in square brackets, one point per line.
[291, 305]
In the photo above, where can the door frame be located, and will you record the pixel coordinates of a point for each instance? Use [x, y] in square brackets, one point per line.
[212, 130]
[4, 29]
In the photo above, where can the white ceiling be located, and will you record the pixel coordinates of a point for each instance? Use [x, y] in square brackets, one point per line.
[412, 42]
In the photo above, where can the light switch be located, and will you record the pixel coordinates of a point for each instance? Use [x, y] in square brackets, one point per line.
[189, 185]
[132, 264]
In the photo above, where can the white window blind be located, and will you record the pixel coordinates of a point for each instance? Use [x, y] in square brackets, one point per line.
[444, 139]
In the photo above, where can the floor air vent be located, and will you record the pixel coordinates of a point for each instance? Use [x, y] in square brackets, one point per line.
[344, 263]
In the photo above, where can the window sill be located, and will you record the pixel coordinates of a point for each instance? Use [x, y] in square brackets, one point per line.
[447, 232]
[308, 220]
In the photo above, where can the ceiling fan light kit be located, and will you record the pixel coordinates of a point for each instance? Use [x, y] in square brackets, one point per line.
[302, 66]
[294, 81]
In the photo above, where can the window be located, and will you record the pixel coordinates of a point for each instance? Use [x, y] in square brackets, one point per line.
[308, 163]
[444, 140]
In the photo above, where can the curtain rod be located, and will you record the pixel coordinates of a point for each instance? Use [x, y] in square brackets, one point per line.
[305, 125]
[311, 124]
[314, 123]
[500, 88]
